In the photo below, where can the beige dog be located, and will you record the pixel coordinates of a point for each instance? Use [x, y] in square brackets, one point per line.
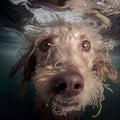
[68, 65]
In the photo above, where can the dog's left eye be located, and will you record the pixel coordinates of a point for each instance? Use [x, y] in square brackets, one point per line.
[45, 45]
[85, 45]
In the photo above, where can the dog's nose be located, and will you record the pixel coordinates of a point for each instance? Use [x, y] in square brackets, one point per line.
[69, 84]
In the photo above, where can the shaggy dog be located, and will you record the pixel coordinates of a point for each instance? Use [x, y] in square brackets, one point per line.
[68, 64]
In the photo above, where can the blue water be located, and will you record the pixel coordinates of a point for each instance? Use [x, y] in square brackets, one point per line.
[16, 107]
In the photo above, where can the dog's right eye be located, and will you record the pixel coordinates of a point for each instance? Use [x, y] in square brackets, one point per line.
[85, 45]
[45, 45]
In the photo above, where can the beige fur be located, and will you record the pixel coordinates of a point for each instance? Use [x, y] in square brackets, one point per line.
[66, 53]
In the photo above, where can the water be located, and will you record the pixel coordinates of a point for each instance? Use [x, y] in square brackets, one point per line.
[12, 105]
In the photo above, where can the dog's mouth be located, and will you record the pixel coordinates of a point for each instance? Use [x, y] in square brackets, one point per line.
[61, 106]
[66, 102]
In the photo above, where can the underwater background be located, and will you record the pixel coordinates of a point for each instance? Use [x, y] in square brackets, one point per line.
[14, 106]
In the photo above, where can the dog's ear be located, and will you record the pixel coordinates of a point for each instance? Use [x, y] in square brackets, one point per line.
[106, 70]
[27, 63]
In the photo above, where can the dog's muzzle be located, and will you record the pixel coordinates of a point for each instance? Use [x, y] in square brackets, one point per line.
[66, 86]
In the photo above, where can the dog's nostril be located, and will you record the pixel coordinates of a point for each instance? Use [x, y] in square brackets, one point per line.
[77, 86]
[61, 86]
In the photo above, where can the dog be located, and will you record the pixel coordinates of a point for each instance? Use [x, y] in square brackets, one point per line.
[68, 64]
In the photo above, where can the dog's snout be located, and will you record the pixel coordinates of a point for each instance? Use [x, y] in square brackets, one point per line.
[69, 84]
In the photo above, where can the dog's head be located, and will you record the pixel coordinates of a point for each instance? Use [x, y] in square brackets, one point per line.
[68, 64]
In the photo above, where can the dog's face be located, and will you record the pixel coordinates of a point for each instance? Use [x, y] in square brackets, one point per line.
[68, 65]
[64, 75]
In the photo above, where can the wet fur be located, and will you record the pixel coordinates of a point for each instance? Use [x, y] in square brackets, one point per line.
[94, 66]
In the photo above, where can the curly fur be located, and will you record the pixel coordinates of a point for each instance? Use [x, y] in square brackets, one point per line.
[66, 53]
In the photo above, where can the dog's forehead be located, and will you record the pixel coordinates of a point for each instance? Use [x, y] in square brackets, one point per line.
[74, 31]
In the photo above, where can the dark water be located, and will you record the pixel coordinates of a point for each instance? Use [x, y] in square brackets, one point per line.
[14, 107]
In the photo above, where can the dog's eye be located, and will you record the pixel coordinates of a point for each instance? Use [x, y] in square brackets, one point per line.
[45, 45]
[85, 45]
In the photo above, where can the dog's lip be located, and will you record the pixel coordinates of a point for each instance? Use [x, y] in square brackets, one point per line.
[61, 106]
[66, 102]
